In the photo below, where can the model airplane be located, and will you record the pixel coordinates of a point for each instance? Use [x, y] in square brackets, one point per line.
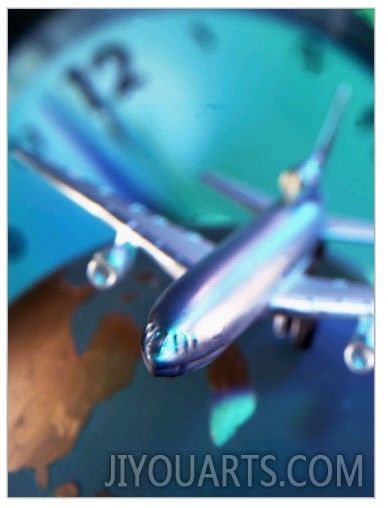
[261, 269]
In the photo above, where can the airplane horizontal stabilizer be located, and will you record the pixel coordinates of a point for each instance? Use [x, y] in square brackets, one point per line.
[244, 195]
[349, 230]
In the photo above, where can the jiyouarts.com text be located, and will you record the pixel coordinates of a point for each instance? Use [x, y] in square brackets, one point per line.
[243, 470]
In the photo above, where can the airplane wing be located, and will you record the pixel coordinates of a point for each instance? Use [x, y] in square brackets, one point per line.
[337, 228]
[313, 296]
[174, 248]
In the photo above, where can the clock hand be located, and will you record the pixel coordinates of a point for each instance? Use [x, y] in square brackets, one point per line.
[125, 177]
[125, 163]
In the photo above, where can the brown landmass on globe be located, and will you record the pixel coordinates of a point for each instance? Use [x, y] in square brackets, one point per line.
[68, 489]
[52, 390]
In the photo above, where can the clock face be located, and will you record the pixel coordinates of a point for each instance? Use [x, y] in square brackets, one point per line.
[141, 103]
[144, 102]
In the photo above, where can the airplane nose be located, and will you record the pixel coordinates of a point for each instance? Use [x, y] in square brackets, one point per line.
[159, 351]
[167, 351]
[175, 349]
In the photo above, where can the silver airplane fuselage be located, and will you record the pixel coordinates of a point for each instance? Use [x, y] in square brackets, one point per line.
[201, 313]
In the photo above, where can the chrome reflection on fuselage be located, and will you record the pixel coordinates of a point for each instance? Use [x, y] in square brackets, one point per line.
[201, 313]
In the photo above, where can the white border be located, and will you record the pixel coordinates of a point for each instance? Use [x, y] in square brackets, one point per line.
[381, 199]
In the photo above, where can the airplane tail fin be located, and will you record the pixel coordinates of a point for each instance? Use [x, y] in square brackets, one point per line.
[330, 126]
[308, 173]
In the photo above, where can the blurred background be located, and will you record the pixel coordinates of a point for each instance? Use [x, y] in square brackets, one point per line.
[141, 102]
